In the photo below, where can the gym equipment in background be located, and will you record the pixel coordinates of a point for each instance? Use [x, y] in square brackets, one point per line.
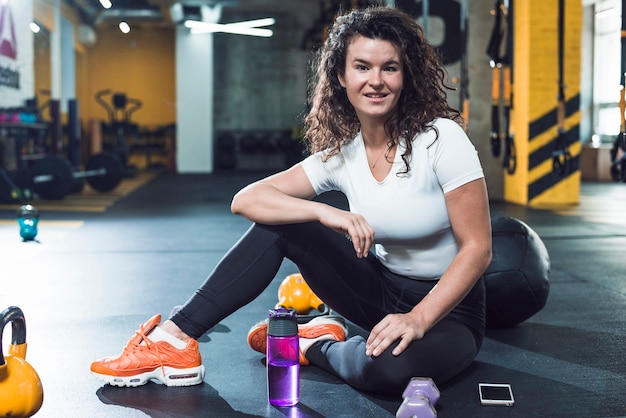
[120, 126]
[21, 391]
[618, 150]
[27, 219]
[419, 399]
[226, 152]
[464, 76]
[23, 137]
[561, 156]
[32, 164]
[53, 176]
[295, 293]
[258, 149]
[517, 280]
[500, 53]
[10, 192]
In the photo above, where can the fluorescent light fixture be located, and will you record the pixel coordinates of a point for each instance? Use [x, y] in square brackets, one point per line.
[239, 30]
[106, 4]
[34, 27]
[124, 27]
[257, 23]
[248, 27]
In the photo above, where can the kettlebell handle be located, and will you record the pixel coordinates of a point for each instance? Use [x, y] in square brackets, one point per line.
[15, 316]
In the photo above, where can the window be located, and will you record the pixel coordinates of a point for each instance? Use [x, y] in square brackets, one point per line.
[606, 69]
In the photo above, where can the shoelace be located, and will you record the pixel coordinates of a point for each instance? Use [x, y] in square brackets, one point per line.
[134, 344]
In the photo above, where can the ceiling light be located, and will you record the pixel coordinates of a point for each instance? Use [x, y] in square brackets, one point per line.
[248, 27]
[106, 4]
[268, 21]
[124, 27]
[34, 27]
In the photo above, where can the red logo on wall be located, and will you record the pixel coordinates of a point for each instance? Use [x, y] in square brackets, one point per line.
[8, 45]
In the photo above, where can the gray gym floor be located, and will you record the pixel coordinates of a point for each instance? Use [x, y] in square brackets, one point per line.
[93, 277]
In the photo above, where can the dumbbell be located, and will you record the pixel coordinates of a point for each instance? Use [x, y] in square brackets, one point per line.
[419, 399]
[54, 177]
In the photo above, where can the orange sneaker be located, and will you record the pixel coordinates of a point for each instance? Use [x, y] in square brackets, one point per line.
[143, 359]
[334, 326]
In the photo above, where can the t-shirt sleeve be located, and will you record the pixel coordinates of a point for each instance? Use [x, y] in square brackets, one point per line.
[454, 157]
[321, 174]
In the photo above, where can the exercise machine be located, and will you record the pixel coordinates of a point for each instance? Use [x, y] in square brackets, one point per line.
[120, 128]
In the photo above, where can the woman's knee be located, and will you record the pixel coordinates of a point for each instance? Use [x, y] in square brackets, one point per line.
[388, 374]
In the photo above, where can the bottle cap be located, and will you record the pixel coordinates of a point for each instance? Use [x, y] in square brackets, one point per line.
[283, 322]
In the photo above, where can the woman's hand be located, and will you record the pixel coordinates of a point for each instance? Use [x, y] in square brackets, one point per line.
[352, 225]
[404, 327]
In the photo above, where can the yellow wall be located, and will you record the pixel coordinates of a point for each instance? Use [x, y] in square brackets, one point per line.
[140, 64]
[42, 65]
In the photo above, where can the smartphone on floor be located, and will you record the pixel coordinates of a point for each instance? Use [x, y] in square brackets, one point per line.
[496, 394]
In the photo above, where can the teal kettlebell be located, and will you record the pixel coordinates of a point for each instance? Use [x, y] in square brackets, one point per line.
[27, 218]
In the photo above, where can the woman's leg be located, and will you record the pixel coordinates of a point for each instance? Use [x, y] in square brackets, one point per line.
[359, 289]
[243, 273]
[350, 285]
[444, 351]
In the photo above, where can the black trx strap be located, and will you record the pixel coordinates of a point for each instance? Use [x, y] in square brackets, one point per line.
[464, 90]
[618, 151]
[493, 52]
[510, 155]
[560, 155]
[500, 52]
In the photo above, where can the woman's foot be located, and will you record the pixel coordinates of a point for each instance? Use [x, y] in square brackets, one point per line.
[318, 329]
[144, 358]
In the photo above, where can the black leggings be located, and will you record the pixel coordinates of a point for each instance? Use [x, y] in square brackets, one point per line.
[361, 290]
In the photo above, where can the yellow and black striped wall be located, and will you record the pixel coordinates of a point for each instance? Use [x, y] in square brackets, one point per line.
[536, 181]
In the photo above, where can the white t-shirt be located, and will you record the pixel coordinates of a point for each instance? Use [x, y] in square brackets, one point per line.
[408, 212]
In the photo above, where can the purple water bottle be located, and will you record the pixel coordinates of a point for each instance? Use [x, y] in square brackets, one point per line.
[283, 358]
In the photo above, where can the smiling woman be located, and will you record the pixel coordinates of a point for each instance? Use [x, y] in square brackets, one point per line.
[404, 262]
[372, 79]
[422, 84]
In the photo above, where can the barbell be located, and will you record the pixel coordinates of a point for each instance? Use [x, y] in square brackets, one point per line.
[53, 177]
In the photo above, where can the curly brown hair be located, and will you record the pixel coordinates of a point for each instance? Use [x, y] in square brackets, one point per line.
[332, 122]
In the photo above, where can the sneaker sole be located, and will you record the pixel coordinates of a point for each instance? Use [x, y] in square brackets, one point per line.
[169, 376]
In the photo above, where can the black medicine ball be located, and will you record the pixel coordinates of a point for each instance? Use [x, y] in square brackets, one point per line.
[516, 281]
